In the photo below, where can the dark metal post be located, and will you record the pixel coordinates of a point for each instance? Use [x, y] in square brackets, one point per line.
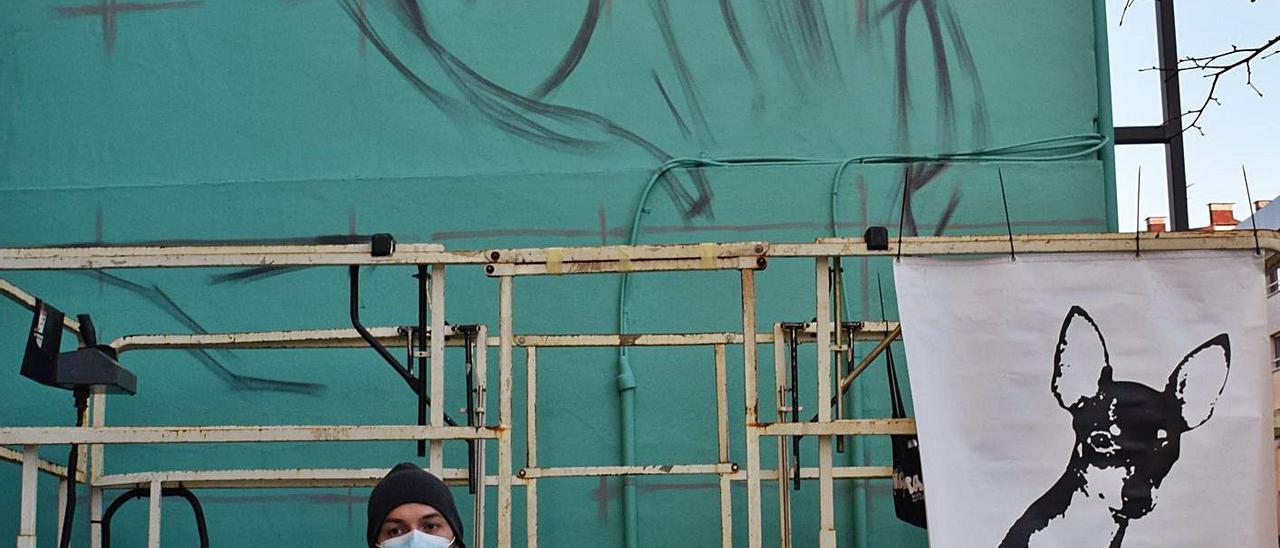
[1169, 132]
[793, 334]
[469, 333]
[422, 359]
[1171, 99]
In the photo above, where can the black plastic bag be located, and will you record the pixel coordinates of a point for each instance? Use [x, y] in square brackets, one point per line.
[908, 479]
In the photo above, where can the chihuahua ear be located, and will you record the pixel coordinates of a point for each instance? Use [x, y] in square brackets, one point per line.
[1199, 379]
[1080, 362]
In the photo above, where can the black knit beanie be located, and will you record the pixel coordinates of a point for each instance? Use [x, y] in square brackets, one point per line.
[408, 483]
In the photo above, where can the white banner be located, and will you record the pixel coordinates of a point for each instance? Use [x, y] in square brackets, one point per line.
[1092, 400]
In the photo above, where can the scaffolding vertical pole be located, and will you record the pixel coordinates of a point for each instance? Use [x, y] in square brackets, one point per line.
[779, 382]
[153, 515]
[722, 428]
[826, 487]
[27, 513]
[504, 411]
[481, 369]
[97, 419]
[437, 366]
[752, 401]
[531, 444]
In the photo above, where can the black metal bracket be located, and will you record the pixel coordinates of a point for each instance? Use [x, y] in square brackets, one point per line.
[416, 383]
[382, 245]
[469, 334]
[793, 329]
[876, 238]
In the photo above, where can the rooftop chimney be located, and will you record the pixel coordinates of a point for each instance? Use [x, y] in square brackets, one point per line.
[1156, 224]
[1222, 216]
[1259, 204]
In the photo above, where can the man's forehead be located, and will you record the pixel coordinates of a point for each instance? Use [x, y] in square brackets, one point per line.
[413, 511]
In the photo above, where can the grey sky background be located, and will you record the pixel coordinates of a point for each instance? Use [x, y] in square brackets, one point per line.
[1244, 129]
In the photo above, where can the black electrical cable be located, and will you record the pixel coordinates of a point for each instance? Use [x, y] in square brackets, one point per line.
[422, 277]
[354, 276]
[202, 528]
[1007, 223]
[73, 464]
[795, 400]
[899, 409]
[468, 342]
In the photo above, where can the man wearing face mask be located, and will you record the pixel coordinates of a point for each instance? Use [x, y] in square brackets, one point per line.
[410, 508]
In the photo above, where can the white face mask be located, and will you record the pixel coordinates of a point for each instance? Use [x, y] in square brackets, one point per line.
[416, 539]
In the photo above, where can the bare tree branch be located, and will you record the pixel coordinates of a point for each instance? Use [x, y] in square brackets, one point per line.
[1215, 67]
[1127, 3]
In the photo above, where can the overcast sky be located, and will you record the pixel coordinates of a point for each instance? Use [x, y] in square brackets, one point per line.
[1244, 129]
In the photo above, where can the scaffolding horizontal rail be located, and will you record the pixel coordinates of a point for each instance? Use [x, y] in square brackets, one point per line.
[53, 469]
[197, 256]
[846, 427]
[393, 336]
[56, 435]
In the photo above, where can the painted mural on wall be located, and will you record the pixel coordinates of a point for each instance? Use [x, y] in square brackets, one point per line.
[1166, 432]
[482, 124]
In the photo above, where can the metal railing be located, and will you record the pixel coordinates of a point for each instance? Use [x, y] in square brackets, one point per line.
[507, 265]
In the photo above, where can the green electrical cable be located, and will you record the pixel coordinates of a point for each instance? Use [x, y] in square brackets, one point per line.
[1051, 149]
[1040, 150]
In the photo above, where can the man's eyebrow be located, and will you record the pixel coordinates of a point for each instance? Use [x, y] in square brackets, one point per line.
[431, 514]
[396, 521]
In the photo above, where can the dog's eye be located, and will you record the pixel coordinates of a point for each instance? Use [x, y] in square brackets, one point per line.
[1102, 442]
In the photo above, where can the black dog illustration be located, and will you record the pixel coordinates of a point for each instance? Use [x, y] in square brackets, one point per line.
[1127, 437]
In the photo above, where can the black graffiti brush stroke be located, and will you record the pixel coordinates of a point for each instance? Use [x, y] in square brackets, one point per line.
[662, 14]
[255, 274]
[863, 17]
[355, 10]
[981, 127]
[577, 49]
[99, 231]
[503, 118]
[783, 46]
[162, 300]
[936, 16]
[324, 239]
[816, 35]
[948, 212]
[802, 38]
[730, 18]
[512, 112]
[916, 177]
[942, 70]
[1127, 434]
[675, 113]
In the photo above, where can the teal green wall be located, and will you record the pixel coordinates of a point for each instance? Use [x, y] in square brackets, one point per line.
[276, 120]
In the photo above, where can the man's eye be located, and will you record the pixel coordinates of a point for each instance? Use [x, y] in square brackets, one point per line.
[432, 527]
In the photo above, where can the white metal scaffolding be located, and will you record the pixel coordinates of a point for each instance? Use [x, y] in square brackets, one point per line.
[21, 444]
